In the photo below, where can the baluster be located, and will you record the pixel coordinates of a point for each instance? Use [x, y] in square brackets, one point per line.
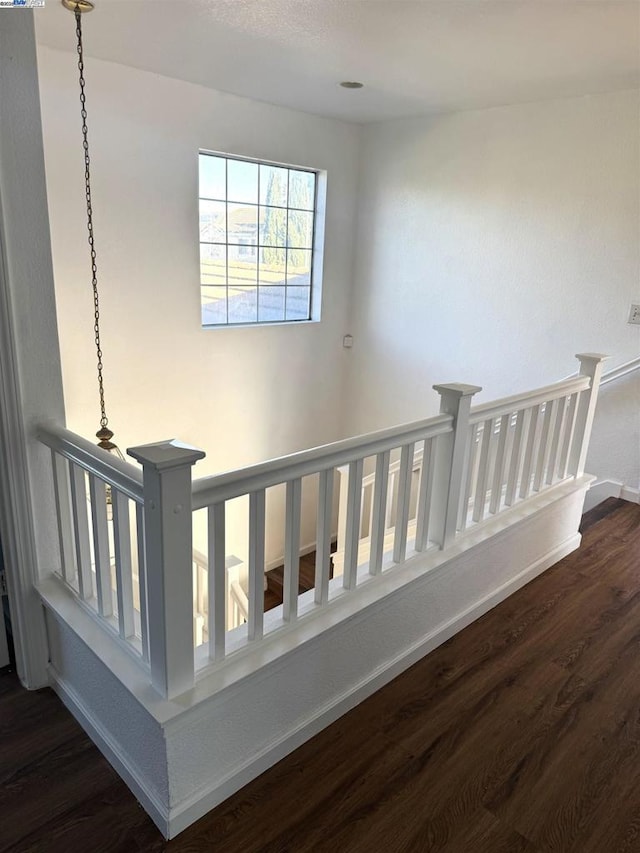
[569, 432]
[468, 473]
[352, 539]
[379, 511]
[64, 517]
[256, 564]
[292, 549]
[391, 490]
[216, 580]
[81, 530]
[323, 536]
[514, 464]
[100, 525]
[425, 493]
[343, 484]
[142, 582]
[499, 465]
[367, 500]
[483, 472]
[202, 592]
[532, 438]
[402, 510]
[124, 579]
[545, 445]
[552, 467]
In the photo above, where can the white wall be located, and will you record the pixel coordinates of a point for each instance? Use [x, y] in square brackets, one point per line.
[493, 245]
[242, 395]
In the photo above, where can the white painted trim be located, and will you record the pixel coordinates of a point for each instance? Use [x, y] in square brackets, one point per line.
[210, 796]
[600, 491]
[111, 750]
[627, 493]
[603, 489]
[128, 668]
[16, 520]
[26, 276]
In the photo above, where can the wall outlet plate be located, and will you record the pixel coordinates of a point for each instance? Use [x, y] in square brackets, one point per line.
[634, 314]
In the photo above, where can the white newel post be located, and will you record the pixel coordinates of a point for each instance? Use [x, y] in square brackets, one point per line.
[166, 470]
[455, 399]
[591, 366]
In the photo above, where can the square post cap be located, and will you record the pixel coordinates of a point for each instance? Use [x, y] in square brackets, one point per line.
[595, 357]
[162, 455]
[457, 389]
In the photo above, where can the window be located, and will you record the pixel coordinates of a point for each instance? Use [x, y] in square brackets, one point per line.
[257, 227]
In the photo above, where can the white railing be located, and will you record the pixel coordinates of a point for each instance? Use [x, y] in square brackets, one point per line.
[99, 508]
[367, 514]
[616, 372]
[516, 446]
[520, 445]
[236, 597]
[421, 486]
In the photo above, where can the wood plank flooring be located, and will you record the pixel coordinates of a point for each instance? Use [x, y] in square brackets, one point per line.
[306, 580]
[522, 733]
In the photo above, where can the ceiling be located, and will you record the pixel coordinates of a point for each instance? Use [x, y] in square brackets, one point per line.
[415, 57]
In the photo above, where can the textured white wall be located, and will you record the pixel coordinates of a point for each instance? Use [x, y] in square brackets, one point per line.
[242, 395]
[493, 245]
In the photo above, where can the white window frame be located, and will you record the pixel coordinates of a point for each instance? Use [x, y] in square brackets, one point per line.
[317, 250]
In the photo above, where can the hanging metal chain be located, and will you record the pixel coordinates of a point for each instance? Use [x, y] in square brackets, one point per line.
[102, 434]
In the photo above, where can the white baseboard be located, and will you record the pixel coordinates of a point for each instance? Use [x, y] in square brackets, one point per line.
[603, 489]
[627, 493]
[111, 750]
[208, 798]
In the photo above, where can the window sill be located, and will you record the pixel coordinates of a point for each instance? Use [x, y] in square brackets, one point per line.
[261, 325]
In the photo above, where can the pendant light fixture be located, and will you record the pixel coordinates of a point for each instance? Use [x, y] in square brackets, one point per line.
[104, 434]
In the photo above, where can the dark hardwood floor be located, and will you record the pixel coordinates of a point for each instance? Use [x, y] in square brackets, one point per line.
[306, 580]
[522, 733]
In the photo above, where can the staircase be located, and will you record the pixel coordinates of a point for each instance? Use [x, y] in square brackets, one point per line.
[274, 594]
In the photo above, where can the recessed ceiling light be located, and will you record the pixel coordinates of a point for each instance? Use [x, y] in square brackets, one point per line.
[351, 84]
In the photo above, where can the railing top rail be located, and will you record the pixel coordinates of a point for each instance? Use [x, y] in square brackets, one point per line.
[620, 371]
[506, 405]
[232, 484]
[616, 372]
[122, 475]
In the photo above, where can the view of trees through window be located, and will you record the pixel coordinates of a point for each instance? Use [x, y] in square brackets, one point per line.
[256, 241]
